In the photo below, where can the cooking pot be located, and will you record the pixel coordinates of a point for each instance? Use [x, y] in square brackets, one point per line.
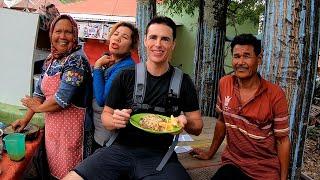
[31, 131]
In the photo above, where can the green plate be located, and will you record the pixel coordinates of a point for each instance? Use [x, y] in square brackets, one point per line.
[135, 121]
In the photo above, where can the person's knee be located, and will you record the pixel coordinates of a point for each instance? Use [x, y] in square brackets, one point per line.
[72, 176]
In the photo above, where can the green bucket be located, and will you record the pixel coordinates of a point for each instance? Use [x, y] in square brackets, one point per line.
[15, 146]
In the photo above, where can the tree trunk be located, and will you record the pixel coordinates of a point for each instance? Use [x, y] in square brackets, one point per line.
[146, 10]
[209, 52]
[290, 60]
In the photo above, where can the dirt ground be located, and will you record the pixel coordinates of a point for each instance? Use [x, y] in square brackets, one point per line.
[311, 159]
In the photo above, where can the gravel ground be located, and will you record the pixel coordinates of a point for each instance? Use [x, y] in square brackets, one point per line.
[311, 160]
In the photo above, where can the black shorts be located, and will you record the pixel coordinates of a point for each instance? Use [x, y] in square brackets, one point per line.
[230, 172]
[121, 162]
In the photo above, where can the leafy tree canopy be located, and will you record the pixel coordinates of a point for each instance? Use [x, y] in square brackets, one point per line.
[239, 11]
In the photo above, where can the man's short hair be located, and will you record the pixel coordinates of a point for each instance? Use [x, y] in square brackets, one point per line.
[163, 20]
[247, 39]
[50, 5]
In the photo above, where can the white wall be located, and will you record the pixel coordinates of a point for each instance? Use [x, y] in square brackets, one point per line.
[18, 31]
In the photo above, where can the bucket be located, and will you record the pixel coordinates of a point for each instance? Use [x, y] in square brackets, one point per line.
[15, 146]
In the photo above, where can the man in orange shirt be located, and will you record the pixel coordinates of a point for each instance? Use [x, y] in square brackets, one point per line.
[254, 119]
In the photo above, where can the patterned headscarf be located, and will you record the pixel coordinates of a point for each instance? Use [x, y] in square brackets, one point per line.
[54, 52]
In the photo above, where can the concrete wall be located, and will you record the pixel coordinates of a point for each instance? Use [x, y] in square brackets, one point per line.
[247, 27]
[186, 39]
[18, 32]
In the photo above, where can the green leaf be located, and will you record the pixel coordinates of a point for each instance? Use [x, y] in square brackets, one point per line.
[238, 10]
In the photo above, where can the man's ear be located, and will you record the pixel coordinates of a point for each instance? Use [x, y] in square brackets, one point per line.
[174, 44]
[260, 58]
[145, 40]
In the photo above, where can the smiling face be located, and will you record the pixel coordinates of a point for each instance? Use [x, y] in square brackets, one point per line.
[159, 43]
[245, 62]
[62, 36]
[120, 41]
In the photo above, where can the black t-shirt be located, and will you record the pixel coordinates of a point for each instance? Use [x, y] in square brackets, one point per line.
[121, 96]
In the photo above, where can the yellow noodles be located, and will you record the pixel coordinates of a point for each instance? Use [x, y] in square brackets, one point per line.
[158, 123]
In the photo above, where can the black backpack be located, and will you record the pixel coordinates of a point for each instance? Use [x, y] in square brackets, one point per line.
[173, 92]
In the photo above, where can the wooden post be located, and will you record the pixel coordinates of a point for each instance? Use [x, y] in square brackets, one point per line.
[290, 59]
[209, 52]
[146, 10]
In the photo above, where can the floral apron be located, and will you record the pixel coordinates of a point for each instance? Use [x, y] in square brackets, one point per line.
[64, 132]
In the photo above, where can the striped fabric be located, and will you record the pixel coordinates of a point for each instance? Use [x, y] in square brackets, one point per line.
[252, 128]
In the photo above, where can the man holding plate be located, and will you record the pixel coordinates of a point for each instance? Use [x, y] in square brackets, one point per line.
[135, 153]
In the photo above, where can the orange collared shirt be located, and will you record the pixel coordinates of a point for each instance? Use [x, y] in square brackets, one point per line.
[251, 128]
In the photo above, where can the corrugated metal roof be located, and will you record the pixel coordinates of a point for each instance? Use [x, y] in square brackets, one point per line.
[100, 7]
[97, 7]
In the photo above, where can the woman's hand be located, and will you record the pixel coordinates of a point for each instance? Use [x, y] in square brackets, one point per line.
[31, 103]
[19, 124]
[105, 60]
[120, 118]
[201, 154]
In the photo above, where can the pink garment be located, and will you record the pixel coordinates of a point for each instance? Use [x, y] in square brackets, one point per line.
[64, 131]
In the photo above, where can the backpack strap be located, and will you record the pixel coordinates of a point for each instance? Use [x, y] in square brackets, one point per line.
[140, 83]
[175, 83]
[113, 137]
[174, 92]
[174, 89]
[138, 97]
[168, 154]
[140, 88]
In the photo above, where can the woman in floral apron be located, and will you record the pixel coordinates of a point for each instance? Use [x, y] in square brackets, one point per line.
[64, 94]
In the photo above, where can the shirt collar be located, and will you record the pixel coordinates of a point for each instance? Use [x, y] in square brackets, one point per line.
[262, 87]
